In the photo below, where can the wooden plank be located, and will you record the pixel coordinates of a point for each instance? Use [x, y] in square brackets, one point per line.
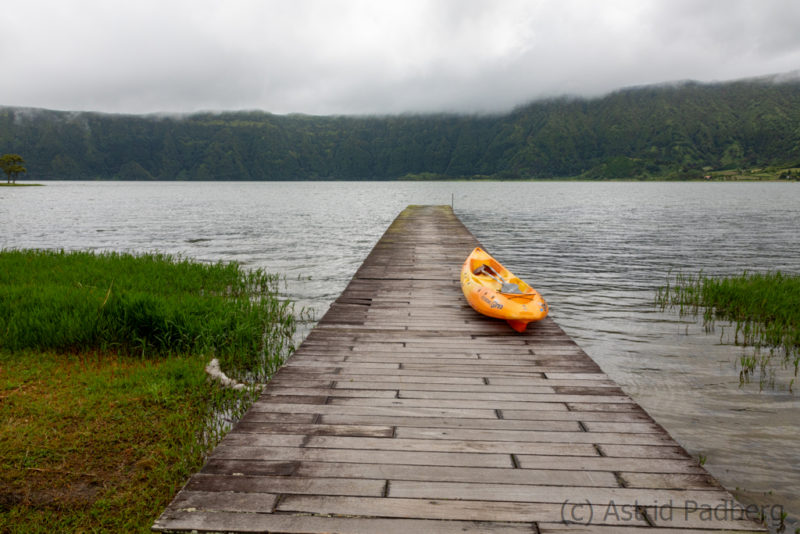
[283, 454]
[333, 392]
[539, 420]
[447, 509]
[223, 521]
[251, 467]
[511, 397]
[277, 440]
[266, 399]
[529, 436]
[410, 362]
[583, 406]
[278, 417]
[322, 364]
[332, 408]
[668, 480]
[604, 463]
[551, 494]
[462, 388]
[443, 445]
[285, 485]
[391, 378]
[321, 429]
[428, 508]
[226, 500]
[297, 382]
[636, 427]
[457, 474]
[438, 371]
[500, 381]
[553, 405]
[642, 451]
[572, 528]
[636, 413]
[576, 376]
[446, 422]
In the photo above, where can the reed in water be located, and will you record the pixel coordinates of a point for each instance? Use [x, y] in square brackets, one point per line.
[763, 308]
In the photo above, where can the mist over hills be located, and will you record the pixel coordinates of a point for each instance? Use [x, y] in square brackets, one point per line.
[674, 131]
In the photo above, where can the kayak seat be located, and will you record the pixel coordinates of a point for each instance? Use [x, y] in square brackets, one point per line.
[505, 287]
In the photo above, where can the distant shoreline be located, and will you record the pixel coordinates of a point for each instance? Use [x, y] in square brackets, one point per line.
[770, 174]
[715, 179]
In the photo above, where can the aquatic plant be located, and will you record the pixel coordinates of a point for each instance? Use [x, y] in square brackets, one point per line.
[763, 309]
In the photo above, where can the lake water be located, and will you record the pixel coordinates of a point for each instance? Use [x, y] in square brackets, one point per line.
[596, 251]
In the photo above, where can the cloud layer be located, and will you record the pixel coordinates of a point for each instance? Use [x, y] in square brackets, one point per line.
[368, 57]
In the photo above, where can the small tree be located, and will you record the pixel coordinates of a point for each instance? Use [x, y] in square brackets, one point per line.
[12, 166]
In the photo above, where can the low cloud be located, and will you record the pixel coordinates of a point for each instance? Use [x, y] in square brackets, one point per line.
[366, 57]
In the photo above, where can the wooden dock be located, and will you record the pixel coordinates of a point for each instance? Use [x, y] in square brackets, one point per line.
[404, 411]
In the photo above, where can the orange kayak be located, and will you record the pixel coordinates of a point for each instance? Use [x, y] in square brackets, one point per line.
[493, 290]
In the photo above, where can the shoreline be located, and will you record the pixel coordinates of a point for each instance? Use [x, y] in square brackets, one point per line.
[444, 180]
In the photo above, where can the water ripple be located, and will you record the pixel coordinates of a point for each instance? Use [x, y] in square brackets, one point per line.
[596, 251]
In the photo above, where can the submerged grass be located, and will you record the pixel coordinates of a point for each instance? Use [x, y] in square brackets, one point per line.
[764, 309]
[105, 401]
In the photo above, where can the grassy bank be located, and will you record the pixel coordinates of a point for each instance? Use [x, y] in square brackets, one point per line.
[764, 310]
[100, 443]
[148, 306]
[105, 402]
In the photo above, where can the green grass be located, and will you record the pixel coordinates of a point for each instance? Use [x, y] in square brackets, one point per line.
[148, 306]
[99, 443]
[764, 309]
[105, 403]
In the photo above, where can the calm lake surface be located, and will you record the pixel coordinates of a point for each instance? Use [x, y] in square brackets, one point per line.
[596, 251]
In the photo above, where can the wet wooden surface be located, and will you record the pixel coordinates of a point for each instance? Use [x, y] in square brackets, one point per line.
[405, 411]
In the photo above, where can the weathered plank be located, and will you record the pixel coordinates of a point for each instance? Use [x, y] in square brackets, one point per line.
[445, 422]
[374, 431]
[457, 474]
[285, 485]
[405, 411]
[446, 445]
[226, 521]
[604, 463]
[531, 436]
[550, 494]
[265, 406]
[422, 457]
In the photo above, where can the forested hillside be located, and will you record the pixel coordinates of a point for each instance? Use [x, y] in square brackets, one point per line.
[676, 131]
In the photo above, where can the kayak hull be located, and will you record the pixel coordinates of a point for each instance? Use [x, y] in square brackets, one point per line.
[494, 291]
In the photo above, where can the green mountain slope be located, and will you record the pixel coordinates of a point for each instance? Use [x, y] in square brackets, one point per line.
[678, 131]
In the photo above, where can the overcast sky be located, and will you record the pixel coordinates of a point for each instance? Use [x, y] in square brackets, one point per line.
[375, 56]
